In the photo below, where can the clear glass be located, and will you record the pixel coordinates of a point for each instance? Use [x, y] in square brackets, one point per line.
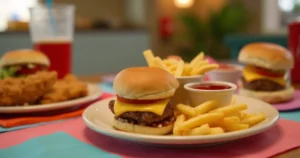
[55, 23]
[51, 32]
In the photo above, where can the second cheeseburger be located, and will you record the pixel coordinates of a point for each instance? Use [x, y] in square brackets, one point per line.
[266, 74]
[143, 101]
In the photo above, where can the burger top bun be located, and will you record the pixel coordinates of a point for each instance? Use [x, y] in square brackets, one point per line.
[145, 83]
[24, 56]
[266, 55]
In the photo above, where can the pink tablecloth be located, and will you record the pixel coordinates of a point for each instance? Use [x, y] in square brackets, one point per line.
[280, 138]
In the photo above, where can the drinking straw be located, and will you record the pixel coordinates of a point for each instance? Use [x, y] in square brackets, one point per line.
[49, 5]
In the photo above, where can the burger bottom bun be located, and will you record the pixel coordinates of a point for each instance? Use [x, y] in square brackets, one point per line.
[132, 128]
[270, 97]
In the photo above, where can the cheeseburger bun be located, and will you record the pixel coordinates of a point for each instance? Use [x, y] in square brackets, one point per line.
[270, 97]
[24, 56]
[133, 128]
[266, 55]
[266, 74]
[145, 83]
[141, 92]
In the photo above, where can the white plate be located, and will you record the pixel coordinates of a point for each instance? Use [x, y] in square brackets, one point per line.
[99, 118]
[93, 93]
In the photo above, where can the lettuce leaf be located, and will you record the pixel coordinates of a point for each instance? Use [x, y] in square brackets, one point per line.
[9, 72]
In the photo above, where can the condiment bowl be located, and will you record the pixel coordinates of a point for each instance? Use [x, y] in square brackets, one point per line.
[199, 92]
[228, 73]
[180, 95]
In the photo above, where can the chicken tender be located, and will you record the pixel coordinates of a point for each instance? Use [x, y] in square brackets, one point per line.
[27, 90]
[65, 89]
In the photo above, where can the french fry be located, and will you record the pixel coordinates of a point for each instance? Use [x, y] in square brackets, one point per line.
[172, 70]
[205, 120]
[198, 65]
[172, 67]
[169, 62]
[186, 110]
[226, 121]
[237, 114]
[186, 132]
[179, 120]
[236, 127]
[202, 130]
[200, 120]
[205, 68]
[216, 130]
[148, 55]
[253, 120]
[186, 70]
[201, 63]
[247, 115]
[179, 69]
[159, 64]
[231, 109]
[205, 107]
[242, 115]
[199, 57]
[231, 120]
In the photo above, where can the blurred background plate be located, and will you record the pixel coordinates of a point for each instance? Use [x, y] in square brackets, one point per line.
[94, 92]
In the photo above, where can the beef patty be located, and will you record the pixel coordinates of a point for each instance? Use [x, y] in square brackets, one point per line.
[144, 117]
[262, 85]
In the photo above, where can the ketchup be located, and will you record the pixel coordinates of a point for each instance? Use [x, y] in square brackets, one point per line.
[225, 66]
[137, 101]
[27, 71]
[211, 87]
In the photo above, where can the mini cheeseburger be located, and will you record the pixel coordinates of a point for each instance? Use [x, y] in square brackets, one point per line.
[19, 63]
[266, 74]
[143, 101]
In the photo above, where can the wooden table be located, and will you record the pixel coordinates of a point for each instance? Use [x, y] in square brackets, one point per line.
[290, 154]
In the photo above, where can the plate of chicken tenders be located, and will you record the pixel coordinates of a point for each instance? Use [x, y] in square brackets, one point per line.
[144, 110]
[26, 85]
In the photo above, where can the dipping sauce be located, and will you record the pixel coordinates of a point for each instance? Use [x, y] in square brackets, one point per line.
[211, 87]
[226, 67]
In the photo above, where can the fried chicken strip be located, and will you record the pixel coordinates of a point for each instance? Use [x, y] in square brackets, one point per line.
[65, 89]
[22, 91]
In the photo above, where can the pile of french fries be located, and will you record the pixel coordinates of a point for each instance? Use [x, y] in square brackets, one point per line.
[205, 119]
[198, 66]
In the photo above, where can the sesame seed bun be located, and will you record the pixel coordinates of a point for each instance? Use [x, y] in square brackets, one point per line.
[145, 83]
[266, 55]
[24, 56]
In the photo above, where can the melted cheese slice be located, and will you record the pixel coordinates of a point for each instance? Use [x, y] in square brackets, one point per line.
[157, 108]
[250, 75]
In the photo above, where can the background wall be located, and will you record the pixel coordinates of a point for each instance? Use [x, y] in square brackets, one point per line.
[94, 52]
[201, 8]
[98, 9]
[147, 14]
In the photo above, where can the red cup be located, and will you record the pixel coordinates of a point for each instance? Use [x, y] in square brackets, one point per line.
[294, 46]
[59, 53]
